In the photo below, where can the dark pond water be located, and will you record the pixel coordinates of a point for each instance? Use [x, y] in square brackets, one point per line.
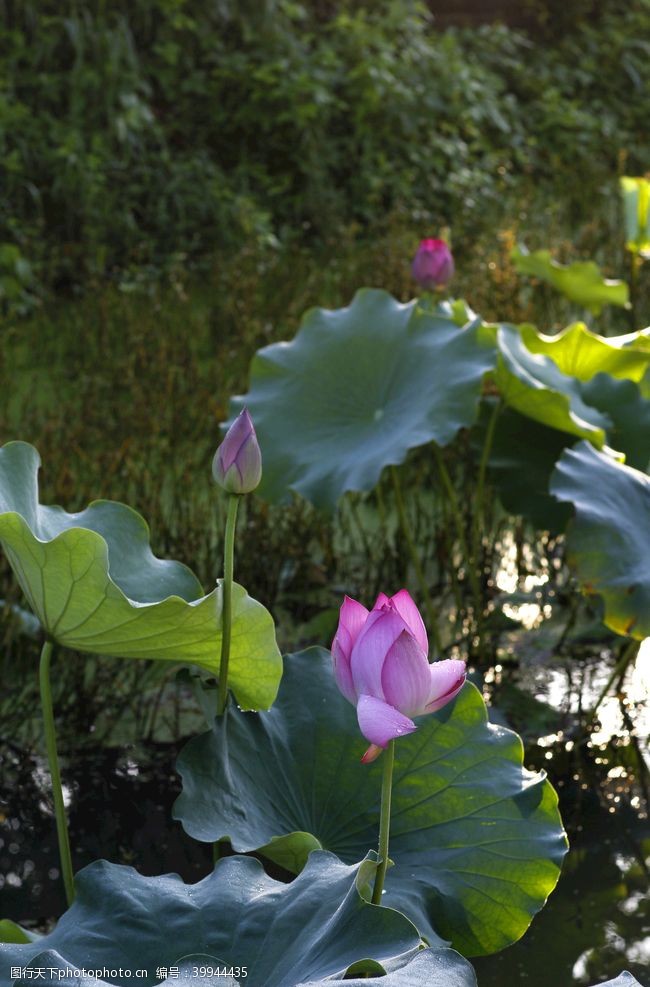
[597, 921]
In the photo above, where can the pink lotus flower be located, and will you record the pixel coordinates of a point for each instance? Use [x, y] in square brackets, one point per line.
[381, 667]
[433, 265]
[237, 464]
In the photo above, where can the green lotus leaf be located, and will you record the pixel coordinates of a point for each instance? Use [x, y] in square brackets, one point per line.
[428, 968]
[636, 212]
[283, 934]
[476, 839]
[533, 385]
[580, 353]
[524, 452]
[356, 389]
[608, 539]
[630, 415]
[581, 282]
[522, 458]
[10, 932]
[457, 310]
[95, 585]
[640, 340]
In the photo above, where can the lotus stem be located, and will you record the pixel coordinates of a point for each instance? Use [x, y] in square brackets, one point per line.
[226, 612]
[384, 822]
[478, 520]
[460, 530]
[415, 558]
[365, 544]
[381, 507]
[65, 856]
[634, 278]
[628, 656]
[479, 514]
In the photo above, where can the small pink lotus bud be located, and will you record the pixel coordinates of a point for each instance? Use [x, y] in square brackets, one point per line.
[237, 464]
[433, 265]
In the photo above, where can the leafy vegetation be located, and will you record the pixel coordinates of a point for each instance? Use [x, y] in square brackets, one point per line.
[141, 136]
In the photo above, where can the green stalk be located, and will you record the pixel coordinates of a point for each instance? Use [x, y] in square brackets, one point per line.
[628, 656]
[415, 558]
[478, 521]
[365, 544]
[634, 276]
[65, 856]
[381, 508]
[449, 549]
[460, 529]
[384, 822]
[479, 513]
[226, 613]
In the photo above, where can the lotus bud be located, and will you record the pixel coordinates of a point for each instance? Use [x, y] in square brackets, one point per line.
[381, 667]
[237, 464]
[433, 265]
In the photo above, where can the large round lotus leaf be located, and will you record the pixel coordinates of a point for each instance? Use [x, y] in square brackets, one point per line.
[608, 539]
[523, 456]
[580, 282]
[427, 968]
[283, 934]
[476, 839]
[95, 585]
[580, 353]
[533, 385]
[624, 979]
[629, 412]
[356, 389]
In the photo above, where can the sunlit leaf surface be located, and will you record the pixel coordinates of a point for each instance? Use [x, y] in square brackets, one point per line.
[95, 585]
[476, 839]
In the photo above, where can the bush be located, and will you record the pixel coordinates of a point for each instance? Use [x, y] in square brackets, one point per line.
[146, 134]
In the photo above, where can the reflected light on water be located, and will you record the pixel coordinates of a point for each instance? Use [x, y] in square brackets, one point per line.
[639, 952]
[551, 687]
[637, 691]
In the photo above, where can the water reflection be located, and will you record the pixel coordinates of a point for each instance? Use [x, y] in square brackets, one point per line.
[597, 922]
[575, 688]
[120, 810]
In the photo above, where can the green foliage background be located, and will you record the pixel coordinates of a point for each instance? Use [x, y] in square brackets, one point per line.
[141, 133]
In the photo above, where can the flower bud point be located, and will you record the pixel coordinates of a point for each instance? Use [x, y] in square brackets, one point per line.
[433, 264]
[237, 464]
[372, 754]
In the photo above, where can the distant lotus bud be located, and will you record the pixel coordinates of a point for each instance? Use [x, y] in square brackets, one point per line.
[237, 464]
[433, 265]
